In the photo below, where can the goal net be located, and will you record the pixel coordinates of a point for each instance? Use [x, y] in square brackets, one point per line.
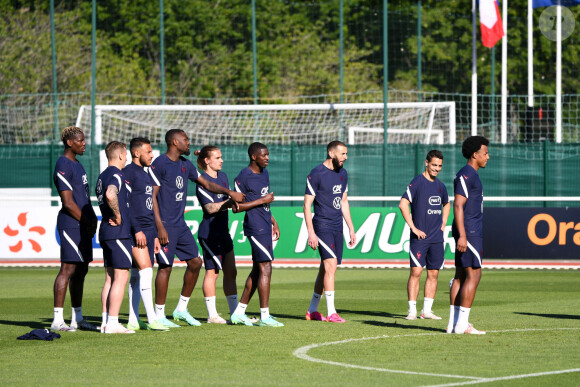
[361, 123]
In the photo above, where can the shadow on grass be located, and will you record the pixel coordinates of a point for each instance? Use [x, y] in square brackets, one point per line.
[403, 326]
[28, 324]
[373, 313]
[551, 315]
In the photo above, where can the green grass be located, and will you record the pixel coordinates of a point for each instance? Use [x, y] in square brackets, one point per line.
[532, 318]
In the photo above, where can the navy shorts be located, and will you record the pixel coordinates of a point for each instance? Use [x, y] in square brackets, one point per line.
[472, 256]
[181, 243]
[262, 250]
[214, 250]
[330, 244]
[428, 254]
[75, 246]
[117, 253]
[150, 235]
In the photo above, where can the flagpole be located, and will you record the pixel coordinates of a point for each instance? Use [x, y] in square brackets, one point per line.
[473, 74]
[504, 75]
[530, 54]
[559, 73]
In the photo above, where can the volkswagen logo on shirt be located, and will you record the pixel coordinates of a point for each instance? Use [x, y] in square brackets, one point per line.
[179, 182]
[435, 200]
[264, 191]
[149, 204]
[336, 203]
[337, 189]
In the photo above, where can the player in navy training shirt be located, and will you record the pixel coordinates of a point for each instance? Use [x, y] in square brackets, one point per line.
[76, 224]
[261, 229]
[170, 172]
[144, 234]
[114, 234]
[214, 236]
[430, 207]
[327, 187]
[467, 232]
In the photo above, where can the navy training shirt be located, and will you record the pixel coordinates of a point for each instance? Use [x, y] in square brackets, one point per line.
[258, 220]
[113, 176]
[71, 176]
[467, 183]
[427, 200]
[327, 186]
[216, 224]
[171, 177]
[140, 186]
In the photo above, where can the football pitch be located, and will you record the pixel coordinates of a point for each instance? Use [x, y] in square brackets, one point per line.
[532, 318]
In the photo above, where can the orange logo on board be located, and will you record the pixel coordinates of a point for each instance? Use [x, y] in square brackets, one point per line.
[14, 233]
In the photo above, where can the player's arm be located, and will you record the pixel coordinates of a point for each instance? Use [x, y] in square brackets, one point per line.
[218, 189]
[212, 208]
[446, 210]
[161, 232]
[404, 207]
[459, 217]
[136, 228]
[245, 206]
[345, 207]
[275, 229]
[113, 202]
[69, 204]
[312, 237]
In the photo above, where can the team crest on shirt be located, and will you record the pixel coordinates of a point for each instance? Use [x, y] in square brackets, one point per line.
[148, 190]
[179, 182]
[179, 196]
[149, 204]
[336, 203]
[435, 200]
[85, 180]
[337, 189]
[264, 191]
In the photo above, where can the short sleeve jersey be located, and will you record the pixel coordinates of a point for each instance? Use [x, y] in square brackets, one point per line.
[427, 200]
[71, 176]
[327, 186]
[467, 184]
[140, 186]
[216, 224]
[258, 220]
[171, 177]
[113, 176]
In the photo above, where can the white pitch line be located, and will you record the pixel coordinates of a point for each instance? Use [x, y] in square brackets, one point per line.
[302, 353]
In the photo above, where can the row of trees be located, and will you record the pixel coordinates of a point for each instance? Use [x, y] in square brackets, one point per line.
[208, 48]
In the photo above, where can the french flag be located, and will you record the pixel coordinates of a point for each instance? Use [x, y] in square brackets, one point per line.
[490, 22]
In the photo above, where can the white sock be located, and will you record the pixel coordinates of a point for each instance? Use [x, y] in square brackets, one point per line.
[232, 302]
[314, 302]
[427, 305]
[134, 296]
[160, 311]
[77, 315]
[240, 309]
[456, 315]
[330, 302]
[182, 304]
[463, 319]
[451, 322]
[412, 307]
[210, 305]
[113, 320]
[145, 280]
[264, 313]
[104, 317]
[58, 315]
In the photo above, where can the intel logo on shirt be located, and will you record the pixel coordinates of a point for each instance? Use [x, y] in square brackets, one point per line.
[435, 200]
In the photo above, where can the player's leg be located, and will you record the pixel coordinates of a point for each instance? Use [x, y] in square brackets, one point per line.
[105, 296]
[239, 316]
[76, 287]
[186, 250]
[164, 267]
[313, 313]
[119, 271]
[212, 259]
[59, 290]
[435, 262]
[134, 298]
[330, 265]
[413, 291]
[230, 273]
[458, 278]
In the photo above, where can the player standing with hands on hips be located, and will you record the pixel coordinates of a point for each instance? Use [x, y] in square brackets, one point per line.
[468, 234]
[326, 188]
[430, 208]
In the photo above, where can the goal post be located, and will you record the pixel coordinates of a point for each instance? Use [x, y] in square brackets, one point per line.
[355, 123]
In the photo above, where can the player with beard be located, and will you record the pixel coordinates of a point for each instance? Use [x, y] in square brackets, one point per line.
[170, 173]
[326, 188]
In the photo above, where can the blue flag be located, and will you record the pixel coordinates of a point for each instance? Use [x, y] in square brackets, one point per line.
[548, 3]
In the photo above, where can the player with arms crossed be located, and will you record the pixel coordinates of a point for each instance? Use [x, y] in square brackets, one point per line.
[429, 212]
[213, 234]
[144, 234]
[76, 224]
[170, 173]
[326, 188]
[468, 234]
[114, 234]
[261, 229]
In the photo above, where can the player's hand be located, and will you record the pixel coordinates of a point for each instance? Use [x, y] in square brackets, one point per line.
[141, 240]
[312, 240]
[352, 239]
[443, 227]
[268, 198]
[156, 246]
[275, 232]
[420, 234]
[237, 196]
[461, 244]
[115, 221]
[162, 235]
